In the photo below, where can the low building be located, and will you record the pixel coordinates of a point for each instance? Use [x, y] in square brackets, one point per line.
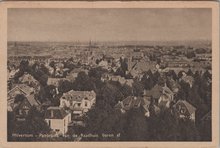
[58, 119]
[185, 110]
[79, 102]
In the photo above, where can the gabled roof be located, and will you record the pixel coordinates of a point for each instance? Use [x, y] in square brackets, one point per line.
[27, 77]
[32, 100]
[22, 87]
[55, 113]
[190, 108]
[132, 102]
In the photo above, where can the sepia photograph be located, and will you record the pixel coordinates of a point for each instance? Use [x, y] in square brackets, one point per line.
[132, 74]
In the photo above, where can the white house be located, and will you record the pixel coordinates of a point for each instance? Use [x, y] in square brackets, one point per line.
[58, 119]
[78, 101]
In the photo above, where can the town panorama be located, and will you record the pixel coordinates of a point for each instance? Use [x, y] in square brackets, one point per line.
[109, 91]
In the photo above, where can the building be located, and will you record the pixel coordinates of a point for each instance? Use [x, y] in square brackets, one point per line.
[21, 109]
[185, 110]
[58, 119]
[116, 78]
[55, 81]
[29, 80]
[18, 89]
[103, 64]
[79, 102]
[136, 102]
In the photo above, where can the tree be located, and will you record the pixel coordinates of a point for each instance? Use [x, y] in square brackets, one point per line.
[138, 88]
[83, 82]
[64, 86]
[34, 124]
[96, 72]
[19, 98]
[148, 81]
[136, 128]
[190, 73]
[190, 55]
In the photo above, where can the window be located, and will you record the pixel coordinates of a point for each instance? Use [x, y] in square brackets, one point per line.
[86, 104]
[78, 104]
[26, 112]
[49, 123]
[20, 112]
[57, 130]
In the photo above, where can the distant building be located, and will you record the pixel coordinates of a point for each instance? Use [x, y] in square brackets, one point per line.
[58, 119]
[185, 110]
[11, 73]
[103, 64]
[116, 78]
[188, 79]
[79, 102]
[55, 81]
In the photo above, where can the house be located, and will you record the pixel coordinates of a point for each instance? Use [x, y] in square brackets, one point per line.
[55, 81]
[21, 109]
[58, 119]
[187, 79]
[18, 89]
[185, 110]
[166, 97]
[29, 80]
[135, 102]
[79, 102]
[103, 64]
[137, 68]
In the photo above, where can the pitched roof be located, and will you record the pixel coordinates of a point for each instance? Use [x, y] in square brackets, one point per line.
[132, 102]
[32, 100]
[27, 90]
[191, 109]
[79, 95]
[55, 113]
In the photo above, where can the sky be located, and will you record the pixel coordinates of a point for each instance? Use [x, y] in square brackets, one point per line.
[118, 24]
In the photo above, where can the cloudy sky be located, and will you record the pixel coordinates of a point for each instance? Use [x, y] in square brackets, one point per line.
[109, 24]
